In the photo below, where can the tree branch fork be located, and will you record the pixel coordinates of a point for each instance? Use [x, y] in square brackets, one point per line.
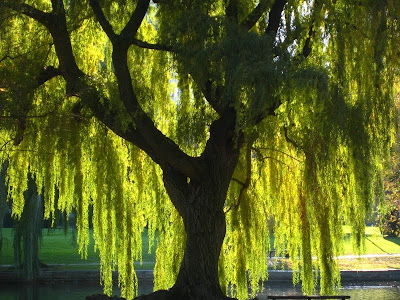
[143, 132]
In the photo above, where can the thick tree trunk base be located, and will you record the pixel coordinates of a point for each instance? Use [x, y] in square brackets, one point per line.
[158, 295]
[179, 295]
[103, 297]
[170, 295]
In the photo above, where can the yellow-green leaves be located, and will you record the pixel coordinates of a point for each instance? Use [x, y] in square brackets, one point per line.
[313, 106]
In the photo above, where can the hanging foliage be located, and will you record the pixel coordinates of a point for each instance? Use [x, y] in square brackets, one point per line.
[162, 114]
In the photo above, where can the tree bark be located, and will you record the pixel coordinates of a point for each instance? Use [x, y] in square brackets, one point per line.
[205, 227]
[201, 204]
[204, 220]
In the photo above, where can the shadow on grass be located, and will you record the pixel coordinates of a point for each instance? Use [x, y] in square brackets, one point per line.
[393, 239]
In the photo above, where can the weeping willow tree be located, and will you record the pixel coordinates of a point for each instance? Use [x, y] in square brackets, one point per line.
[201, 120]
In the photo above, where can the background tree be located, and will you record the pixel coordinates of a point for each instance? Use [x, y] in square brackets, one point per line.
[200, 119]
[27, 230]
[28, 234]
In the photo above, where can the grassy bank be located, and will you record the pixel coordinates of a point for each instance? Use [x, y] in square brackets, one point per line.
[60, 249]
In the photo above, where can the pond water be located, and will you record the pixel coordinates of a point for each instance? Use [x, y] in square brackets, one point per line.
[371, 291]
[78, 291]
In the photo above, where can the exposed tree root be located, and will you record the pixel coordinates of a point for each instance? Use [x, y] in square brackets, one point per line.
[160, 295]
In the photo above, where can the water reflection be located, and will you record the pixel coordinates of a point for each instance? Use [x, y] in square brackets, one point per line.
[369, 291]
[79, 290]
[59, 291]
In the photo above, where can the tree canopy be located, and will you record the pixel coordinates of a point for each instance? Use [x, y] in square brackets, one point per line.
[175, 114]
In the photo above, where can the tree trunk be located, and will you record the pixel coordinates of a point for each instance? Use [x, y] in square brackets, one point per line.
[201, 206]
[200, 202]
[205, 229]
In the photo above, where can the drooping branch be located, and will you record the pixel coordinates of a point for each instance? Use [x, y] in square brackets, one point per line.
[257, 149]
[55, 22]
[160, 148]
[274, 17]
[142, 132]
[7, 56]
[263, 158]
[21, 119]
[255, 15]
[16, 56]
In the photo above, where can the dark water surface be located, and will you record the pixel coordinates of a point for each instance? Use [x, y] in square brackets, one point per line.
[58, 291]
[78, 291]
[368, 291]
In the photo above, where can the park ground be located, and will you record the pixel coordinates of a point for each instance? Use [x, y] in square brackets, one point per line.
[60, 252]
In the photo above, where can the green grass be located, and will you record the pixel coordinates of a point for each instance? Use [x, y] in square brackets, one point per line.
[375, 243]
[58, 248]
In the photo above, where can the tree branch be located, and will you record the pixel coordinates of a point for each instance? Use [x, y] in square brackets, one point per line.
[5, 144]
[136, 19]
[145, 45]
[27, 10]
[245, 185]
[231, 11]
[291, 141]
[46, 74]
[306, 51]
[211, 93]
[101, 18]
[307, 45]
[238, 181]
[263, 158]
[255, 15]
[274, 17]
[258, 150]
[142, 132]
[27, 116]
[58, 6]
[5, 57]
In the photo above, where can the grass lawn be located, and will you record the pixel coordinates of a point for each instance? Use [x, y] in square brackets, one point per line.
[58, 248]
[375, 243]
[370, 263]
